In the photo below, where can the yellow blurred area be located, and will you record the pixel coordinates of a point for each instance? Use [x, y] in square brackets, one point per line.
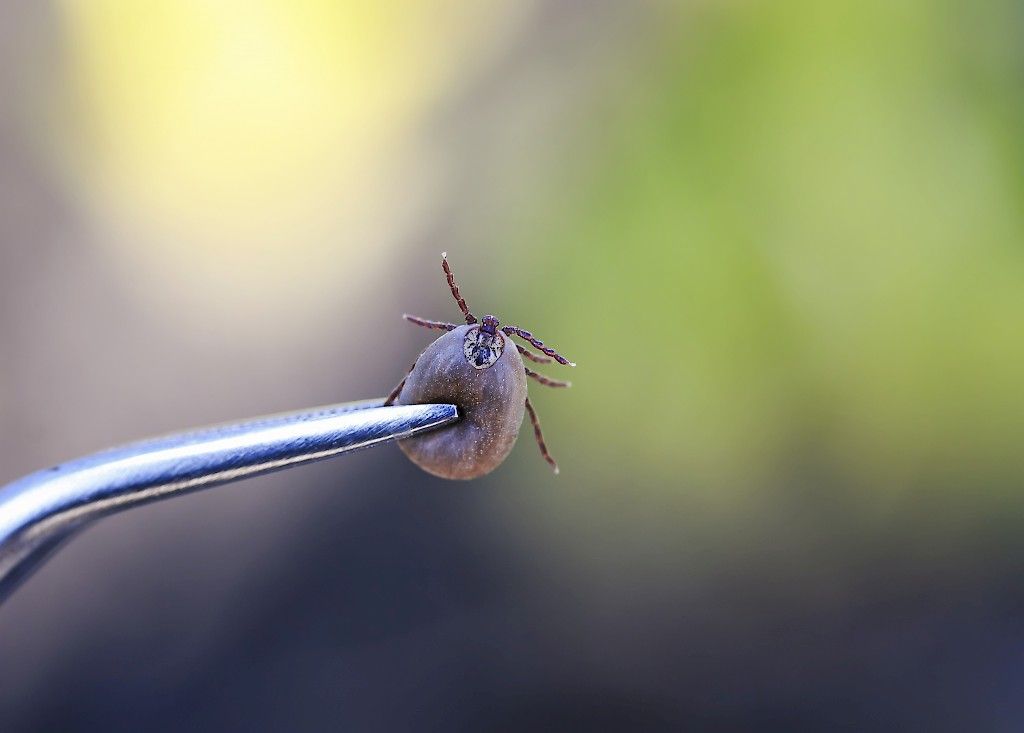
[271, 138]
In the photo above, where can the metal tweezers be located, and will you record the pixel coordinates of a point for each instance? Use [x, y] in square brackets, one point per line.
[39, 512]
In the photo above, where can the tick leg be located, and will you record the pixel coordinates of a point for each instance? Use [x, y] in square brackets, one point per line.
[540, 436]
[470, 318]
[546, 381]
[533, 357]
[398, 389]
[439, 325]
[524, 334]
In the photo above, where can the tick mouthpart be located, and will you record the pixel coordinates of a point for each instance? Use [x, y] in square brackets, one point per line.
[489, 325]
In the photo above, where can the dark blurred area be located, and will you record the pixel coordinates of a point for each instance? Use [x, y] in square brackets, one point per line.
[783, 241]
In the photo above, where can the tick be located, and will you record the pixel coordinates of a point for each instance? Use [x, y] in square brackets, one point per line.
[475, 367]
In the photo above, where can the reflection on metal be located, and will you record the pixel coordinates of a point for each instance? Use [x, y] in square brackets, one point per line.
[40, 511]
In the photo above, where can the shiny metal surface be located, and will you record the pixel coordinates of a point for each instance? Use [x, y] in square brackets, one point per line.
[40, 511]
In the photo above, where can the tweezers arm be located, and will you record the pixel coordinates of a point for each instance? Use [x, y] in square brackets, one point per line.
[38, 511]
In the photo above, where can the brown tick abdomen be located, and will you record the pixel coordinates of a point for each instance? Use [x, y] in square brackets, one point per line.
[491, 404]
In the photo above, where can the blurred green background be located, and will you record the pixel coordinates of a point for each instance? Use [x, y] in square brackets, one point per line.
[781, 239]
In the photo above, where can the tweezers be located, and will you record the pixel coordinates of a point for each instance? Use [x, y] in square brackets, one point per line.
[39, 512]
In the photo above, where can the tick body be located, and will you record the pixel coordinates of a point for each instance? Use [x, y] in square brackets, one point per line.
[491, 402]
[478, 368]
